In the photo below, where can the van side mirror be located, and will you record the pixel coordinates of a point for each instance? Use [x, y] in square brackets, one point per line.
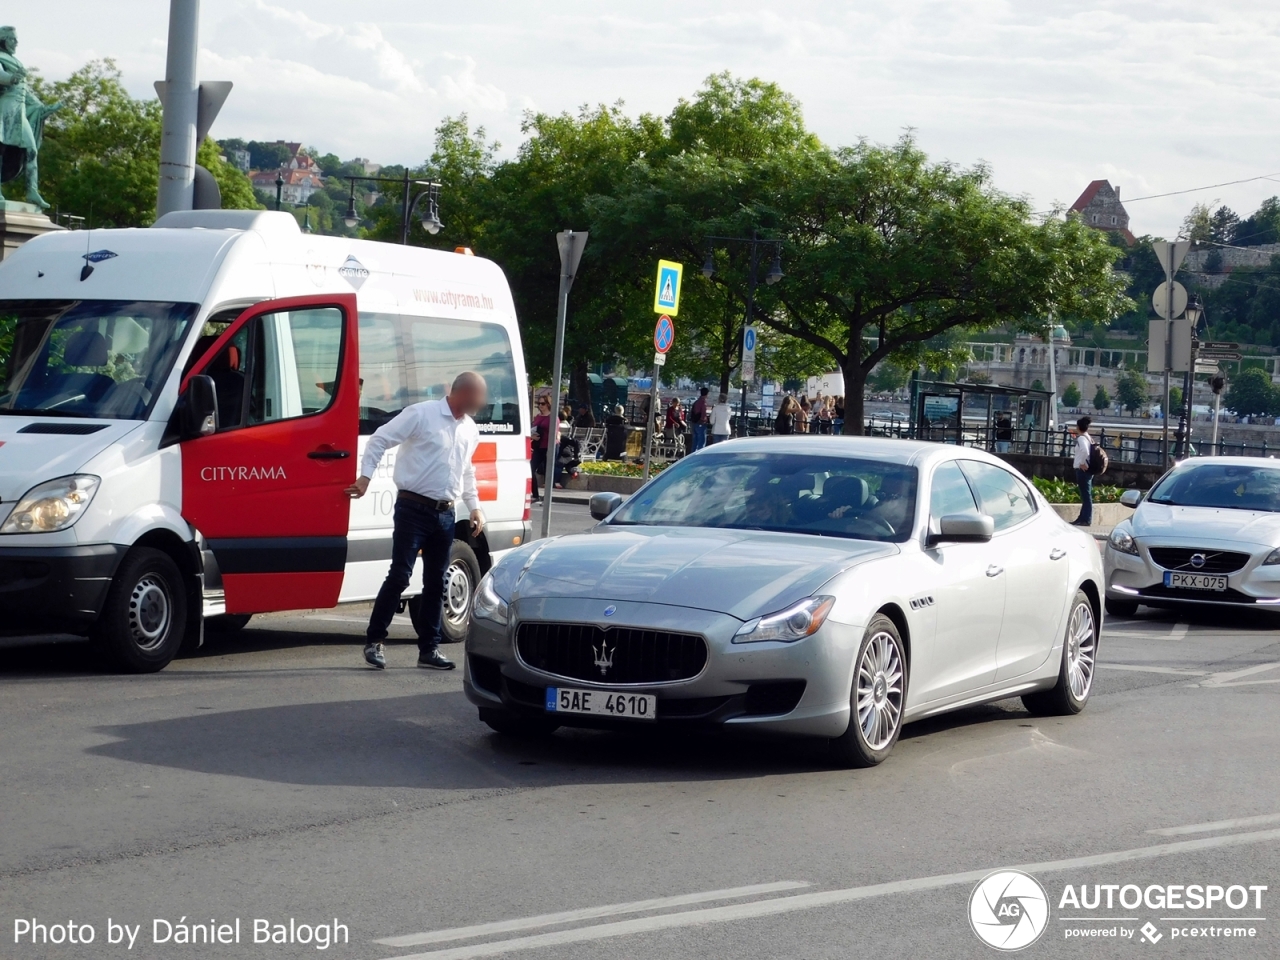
[1131, 498]
[603, 504]
[964, 528]
[199, 408]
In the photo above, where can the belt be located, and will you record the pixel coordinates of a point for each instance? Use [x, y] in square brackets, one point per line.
[440, 506]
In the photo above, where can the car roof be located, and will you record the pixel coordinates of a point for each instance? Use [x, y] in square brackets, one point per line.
[917, 453]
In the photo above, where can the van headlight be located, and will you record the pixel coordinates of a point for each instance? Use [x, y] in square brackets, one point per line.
[488, 605]
[794, 623]
[1121, 540]
[54, 505]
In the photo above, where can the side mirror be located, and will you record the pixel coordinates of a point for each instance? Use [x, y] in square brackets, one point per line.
[199, 408]
[1131, 498]
[964, 528]
[603, 504]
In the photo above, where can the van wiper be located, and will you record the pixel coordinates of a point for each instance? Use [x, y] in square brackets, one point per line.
[29, 412]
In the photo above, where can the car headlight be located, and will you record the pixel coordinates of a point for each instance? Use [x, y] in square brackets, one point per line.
[488, 605]
[1121, 540]
[1272, 558]
[794, 623]
[54, 505]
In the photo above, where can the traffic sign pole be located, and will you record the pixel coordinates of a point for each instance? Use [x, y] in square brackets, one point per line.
[571, 243]
[664, 335]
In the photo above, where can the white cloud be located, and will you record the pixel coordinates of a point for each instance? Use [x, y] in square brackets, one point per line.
[1156, 95]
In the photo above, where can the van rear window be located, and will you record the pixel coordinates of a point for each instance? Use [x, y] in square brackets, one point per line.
[406, 360]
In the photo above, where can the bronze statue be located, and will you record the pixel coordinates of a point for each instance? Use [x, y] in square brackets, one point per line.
[22, 117]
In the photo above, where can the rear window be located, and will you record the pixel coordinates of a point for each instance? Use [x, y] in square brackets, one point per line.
[406, 360]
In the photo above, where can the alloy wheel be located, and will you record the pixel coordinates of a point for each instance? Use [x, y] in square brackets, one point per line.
[879, 690]
[1081, 647]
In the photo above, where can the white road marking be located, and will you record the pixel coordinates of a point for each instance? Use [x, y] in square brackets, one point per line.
[825, 898]
[1232, 677]
[1145, 668]
[1178, 632]
[588, 913]
[1215, 825]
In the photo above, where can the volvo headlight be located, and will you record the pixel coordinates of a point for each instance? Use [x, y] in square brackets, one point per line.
[1121, 540]
[54, 505]
[488, 605]
[794, 623]
[1272, 558]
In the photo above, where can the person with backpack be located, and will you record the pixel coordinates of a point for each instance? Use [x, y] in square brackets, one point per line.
[1083, 464]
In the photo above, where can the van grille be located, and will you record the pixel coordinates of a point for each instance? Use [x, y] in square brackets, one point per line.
[619, 655]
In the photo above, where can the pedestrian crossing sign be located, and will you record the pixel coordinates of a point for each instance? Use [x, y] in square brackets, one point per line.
[666, 298]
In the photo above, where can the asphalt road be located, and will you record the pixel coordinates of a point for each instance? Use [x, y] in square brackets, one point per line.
[273, 776]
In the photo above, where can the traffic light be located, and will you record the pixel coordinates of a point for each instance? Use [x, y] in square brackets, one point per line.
[1217, 383]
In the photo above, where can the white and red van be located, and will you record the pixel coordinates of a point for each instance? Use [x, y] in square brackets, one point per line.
[182, 406]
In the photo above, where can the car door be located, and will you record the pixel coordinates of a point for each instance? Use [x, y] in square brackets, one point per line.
[1029, 548]
[266, 489]
[968, 593]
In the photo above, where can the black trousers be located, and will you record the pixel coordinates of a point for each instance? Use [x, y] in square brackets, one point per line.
[417, 527]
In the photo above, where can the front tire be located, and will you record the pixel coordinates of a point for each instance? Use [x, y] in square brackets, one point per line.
[878, 697]
[1121, 608]
[1079, 662]
[141, 625]
[460, 580]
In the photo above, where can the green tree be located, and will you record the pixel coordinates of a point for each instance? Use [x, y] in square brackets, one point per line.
[101, 156]
[1132, 390]
[1175, 400]
[1071, 396]
[1101, 399]
[888, 377]
[887, 250]
[1252, 394]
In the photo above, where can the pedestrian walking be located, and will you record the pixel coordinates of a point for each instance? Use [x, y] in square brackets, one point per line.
[721, 419]
[1004, 433]
[1084, 478]
[699, 418]
[802, 418]
[437, 439]
[542, 432]
[784, 424]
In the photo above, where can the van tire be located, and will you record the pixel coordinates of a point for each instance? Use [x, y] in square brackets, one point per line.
[141, 625]
[461, 580]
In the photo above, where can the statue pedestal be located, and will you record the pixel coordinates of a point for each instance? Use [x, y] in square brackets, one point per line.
[19, 222]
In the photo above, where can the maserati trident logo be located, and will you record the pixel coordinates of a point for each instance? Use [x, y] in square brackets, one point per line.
[604, 655]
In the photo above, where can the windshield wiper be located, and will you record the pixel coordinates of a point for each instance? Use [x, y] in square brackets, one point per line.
[28, 412]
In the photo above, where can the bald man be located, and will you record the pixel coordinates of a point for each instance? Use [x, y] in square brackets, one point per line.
[433, 471]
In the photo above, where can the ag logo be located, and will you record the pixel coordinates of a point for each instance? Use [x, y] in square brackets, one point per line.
[1008, 910]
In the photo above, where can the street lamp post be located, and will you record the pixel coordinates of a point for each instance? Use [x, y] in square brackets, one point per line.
[431, 191]
[772, 277]
[279, 187]
[1194, 314]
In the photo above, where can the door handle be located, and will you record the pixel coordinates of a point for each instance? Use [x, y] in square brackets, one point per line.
[1057, 553]
[328, 455]
[994, 570]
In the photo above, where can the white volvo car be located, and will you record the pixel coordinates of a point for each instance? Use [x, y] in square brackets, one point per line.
[1207, 533]
[830, 587]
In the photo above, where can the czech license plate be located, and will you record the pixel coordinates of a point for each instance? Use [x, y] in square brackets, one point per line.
[604, 703]
[1194, 581]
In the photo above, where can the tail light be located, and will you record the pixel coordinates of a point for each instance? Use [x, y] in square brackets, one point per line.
[528, 498]
[528, 449]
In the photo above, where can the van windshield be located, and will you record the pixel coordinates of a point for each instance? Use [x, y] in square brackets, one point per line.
[87, 358]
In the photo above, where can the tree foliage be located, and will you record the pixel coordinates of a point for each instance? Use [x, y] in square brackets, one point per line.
[1071, 396]
[1132, 390]
[1101, 399]
[1252, 394]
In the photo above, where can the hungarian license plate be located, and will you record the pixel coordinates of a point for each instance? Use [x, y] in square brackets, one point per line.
[603, 703]
[1194, 581]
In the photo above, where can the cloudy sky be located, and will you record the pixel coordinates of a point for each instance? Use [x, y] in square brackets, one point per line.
[1155, 96]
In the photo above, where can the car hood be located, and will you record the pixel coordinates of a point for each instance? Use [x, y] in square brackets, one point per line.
[1194, 524]
[30, 458]
[743, 573]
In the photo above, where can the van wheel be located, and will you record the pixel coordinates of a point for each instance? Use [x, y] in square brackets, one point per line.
[460, 581]
[227, 622]
[141, 626]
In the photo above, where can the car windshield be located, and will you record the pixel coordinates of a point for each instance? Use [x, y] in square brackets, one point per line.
[816, 494]
[1233, 486]
[87, 358]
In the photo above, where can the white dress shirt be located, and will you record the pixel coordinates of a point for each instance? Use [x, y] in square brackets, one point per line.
[721, 417]
[1083, 446]
[434, 459]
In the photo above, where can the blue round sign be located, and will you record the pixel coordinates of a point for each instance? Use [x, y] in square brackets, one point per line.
[749, 339]
[664, 334]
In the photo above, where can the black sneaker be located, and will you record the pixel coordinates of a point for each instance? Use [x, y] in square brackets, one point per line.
[434, 660]
[374, 656]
